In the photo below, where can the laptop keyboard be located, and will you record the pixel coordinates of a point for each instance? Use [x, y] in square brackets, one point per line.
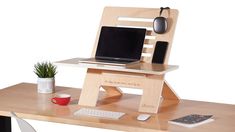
[114, 61]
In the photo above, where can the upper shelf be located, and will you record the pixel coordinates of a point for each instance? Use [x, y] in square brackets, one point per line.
[145, 68]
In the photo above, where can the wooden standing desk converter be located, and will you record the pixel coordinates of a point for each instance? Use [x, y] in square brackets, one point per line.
[147, 76]
[27, 103]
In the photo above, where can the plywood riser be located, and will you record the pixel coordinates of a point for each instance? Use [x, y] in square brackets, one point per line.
[153, 86]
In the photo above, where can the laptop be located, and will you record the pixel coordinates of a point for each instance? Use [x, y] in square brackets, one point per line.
[118, 46]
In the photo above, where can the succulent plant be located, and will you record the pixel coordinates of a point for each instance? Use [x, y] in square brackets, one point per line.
[45, 70]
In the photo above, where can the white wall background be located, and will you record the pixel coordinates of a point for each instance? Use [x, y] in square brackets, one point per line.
[203, 47]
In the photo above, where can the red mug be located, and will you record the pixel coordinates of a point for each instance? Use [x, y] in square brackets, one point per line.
[61, 99]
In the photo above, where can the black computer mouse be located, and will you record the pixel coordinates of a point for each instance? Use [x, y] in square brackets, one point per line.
[160, 25]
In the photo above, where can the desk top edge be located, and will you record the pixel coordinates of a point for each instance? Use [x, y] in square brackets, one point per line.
[145, 68]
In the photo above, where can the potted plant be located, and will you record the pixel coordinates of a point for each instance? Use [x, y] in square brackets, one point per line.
[46, 72]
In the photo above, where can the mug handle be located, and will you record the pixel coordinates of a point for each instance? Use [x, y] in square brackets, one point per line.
[53, 100]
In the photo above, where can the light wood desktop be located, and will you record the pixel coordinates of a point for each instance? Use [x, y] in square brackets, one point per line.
[24, 100]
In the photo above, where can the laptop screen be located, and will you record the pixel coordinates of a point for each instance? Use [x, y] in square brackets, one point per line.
[120, 43]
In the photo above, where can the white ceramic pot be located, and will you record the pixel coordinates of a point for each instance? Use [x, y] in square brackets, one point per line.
[46, 85]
